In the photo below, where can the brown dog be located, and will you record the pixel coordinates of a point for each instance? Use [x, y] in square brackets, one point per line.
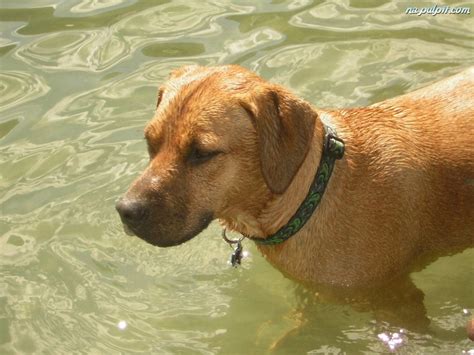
[226, 144]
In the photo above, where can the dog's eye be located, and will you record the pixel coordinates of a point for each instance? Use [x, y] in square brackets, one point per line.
[199, 156]
[153, 147]
[151, 151]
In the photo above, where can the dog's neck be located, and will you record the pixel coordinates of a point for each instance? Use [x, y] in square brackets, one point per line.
[280, 208]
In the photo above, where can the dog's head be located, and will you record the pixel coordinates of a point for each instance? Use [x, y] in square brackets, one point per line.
[221, 143]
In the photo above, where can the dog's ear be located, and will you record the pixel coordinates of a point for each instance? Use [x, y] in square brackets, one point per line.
[284, 126]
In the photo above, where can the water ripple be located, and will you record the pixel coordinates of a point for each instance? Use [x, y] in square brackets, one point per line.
[342, 16]
[96, 279]
[93, 50]
[249, 43]
[79, 83]
[19, 87]
[356, 80]
[91, 7]
[99, 50]
[170, 20]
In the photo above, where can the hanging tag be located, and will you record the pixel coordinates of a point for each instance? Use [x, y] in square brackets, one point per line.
[237, 254]
[236, 257]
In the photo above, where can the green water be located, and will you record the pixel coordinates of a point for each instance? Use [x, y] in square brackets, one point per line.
[77, 84]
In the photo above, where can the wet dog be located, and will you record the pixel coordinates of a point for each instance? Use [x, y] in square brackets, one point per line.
[226, 144]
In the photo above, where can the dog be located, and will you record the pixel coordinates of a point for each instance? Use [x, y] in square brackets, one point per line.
[226, 144]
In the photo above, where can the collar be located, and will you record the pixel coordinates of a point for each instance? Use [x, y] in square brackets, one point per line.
[333, 149]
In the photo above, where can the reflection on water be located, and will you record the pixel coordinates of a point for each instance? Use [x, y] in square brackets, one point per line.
[19, 87]
[77, 85]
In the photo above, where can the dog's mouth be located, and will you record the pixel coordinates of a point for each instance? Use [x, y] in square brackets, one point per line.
[128, 230]
[161, 237]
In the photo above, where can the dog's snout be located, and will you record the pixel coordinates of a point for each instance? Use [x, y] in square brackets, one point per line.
[132, 212]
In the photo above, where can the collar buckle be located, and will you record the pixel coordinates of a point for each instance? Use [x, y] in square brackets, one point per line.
[334, 145]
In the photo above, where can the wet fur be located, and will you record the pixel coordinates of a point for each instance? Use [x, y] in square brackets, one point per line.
[401, 197]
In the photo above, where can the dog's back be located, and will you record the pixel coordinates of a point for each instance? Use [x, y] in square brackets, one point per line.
[444, 125]
[444, 112]
[419, 150]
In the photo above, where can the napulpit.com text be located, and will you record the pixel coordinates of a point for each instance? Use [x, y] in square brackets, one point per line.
[438, 10]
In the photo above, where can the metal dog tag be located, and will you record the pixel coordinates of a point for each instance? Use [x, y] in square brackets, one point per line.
[237, 254]
[236, 257]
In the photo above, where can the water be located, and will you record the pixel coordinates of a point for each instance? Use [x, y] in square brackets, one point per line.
[77, 84]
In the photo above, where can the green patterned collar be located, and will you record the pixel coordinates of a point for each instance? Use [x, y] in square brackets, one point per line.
[333, 149]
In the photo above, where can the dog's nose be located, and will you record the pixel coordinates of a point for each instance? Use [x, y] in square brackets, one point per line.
[132, 212]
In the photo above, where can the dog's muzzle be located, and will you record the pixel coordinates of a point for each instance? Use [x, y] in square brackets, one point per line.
[132, 213]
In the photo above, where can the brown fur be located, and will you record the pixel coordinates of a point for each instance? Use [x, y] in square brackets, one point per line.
[401, 196]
